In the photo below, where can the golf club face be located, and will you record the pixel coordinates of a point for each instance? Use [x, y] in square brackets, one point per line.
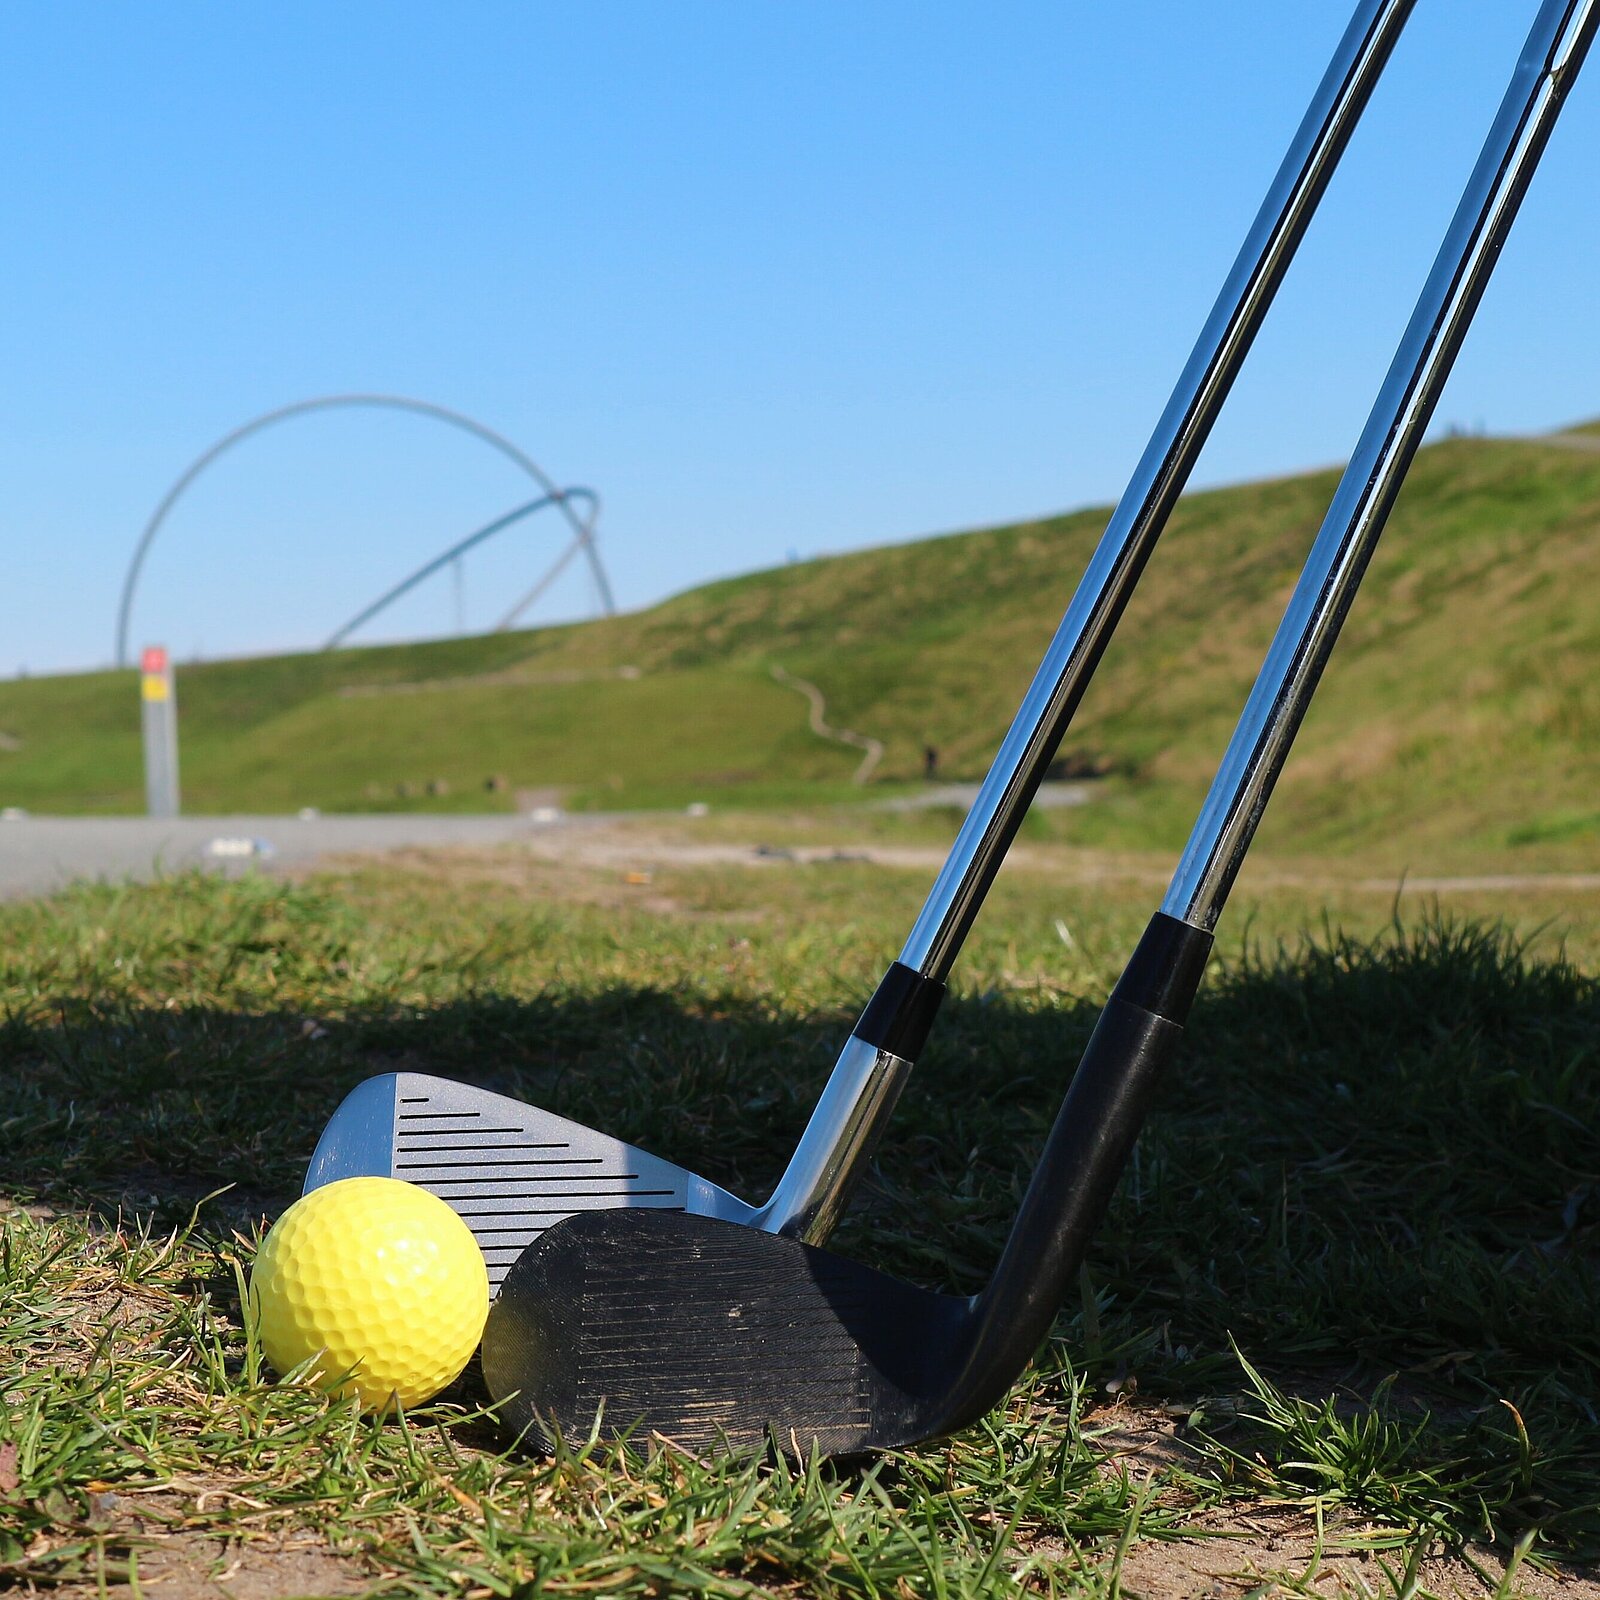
[509, 1170]
[718, 1337]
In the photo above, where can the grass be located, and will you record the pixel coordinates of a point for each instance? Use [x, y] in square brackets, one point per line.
[1460, 720]
[1347, 1291]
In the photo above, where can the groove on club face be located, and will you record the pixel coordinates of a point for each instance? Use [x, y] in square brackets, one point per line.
[509, 1170]
[716, 1336]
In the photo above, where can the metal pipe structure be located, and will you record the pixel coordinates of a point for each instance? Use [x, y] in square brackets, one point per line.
[582, 529]
[551, 573]
[459, 549]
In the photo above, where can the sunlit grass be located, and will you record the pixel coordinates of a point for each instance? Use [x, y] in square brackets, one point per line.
[1350, 1274]
[1456, 729]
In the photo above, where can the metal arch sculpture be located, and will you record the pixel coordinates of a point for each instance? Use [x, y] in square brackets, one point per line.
[582, 528]
[460, 548]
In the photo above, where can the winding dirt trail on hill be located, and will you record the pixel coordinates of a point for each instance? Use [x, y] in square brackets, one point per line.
[823, 730]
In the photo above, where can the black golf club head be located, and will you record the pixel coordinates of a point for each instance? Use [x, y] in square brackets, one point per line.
[718, 1336]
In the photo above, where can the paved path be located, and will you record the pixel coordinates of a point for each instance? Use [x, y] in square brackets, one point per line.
[1051, 794]
[619, 849]
[38, 854]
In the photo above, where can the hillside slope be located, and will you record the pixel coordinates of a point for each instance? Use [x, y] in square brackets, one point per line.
[1461, 714]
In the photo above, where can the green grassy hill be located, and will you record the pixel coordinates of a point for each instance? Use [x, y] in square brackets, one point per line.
[1460, 718]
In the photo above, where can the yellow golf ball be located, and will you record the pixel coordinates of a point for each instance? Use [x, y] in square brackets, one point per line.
[378, 1279]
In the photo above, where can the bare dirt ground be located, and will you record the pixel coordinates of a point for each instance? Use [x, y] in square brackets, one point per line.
[636, 844]
[209, 1539]
[40, 854]
[1274, 1550]
[1270, 1548]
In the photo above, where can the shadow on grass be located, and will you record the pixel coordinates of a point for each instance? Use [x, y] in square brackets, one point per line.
[1372, 1159]
[1359, 1140]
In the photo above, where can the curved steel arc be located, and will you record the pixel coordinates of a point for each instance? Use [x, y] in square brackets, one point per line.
[551, 573]
[487, 531]
[582, 529]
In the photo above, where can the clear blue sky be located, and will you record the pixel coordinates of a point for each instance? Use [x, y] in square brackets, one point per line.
[771, 277]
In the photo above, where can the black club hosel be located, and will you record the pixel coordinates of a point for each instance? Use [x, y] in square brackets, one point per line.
[1094, 1133]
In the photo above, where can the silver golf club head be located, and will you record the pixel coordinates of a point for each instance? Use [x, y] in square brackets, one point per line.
[511, 1170]
[508, 1169]
[519, 1170]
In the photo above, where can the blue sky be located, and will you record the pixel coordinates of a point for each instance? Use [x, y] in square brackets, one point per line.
[772, 278]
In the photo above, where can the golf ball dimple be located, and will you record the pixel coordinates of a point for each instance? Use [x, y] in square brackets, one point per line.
[381, 1281]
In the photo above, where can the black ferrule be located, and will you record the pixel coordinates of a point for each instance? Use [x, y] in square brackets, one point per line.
[900, 1013]
[1163, 973]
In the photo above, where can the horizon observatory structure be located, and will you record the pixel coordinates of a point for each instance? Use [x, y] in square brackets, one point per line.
[578, 506]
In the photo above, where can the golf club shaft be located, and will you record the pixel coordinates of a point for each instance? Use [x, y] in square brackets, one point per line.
[1322, 597]
[1140, 1028]
[1163, 469]
[871, 1069]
